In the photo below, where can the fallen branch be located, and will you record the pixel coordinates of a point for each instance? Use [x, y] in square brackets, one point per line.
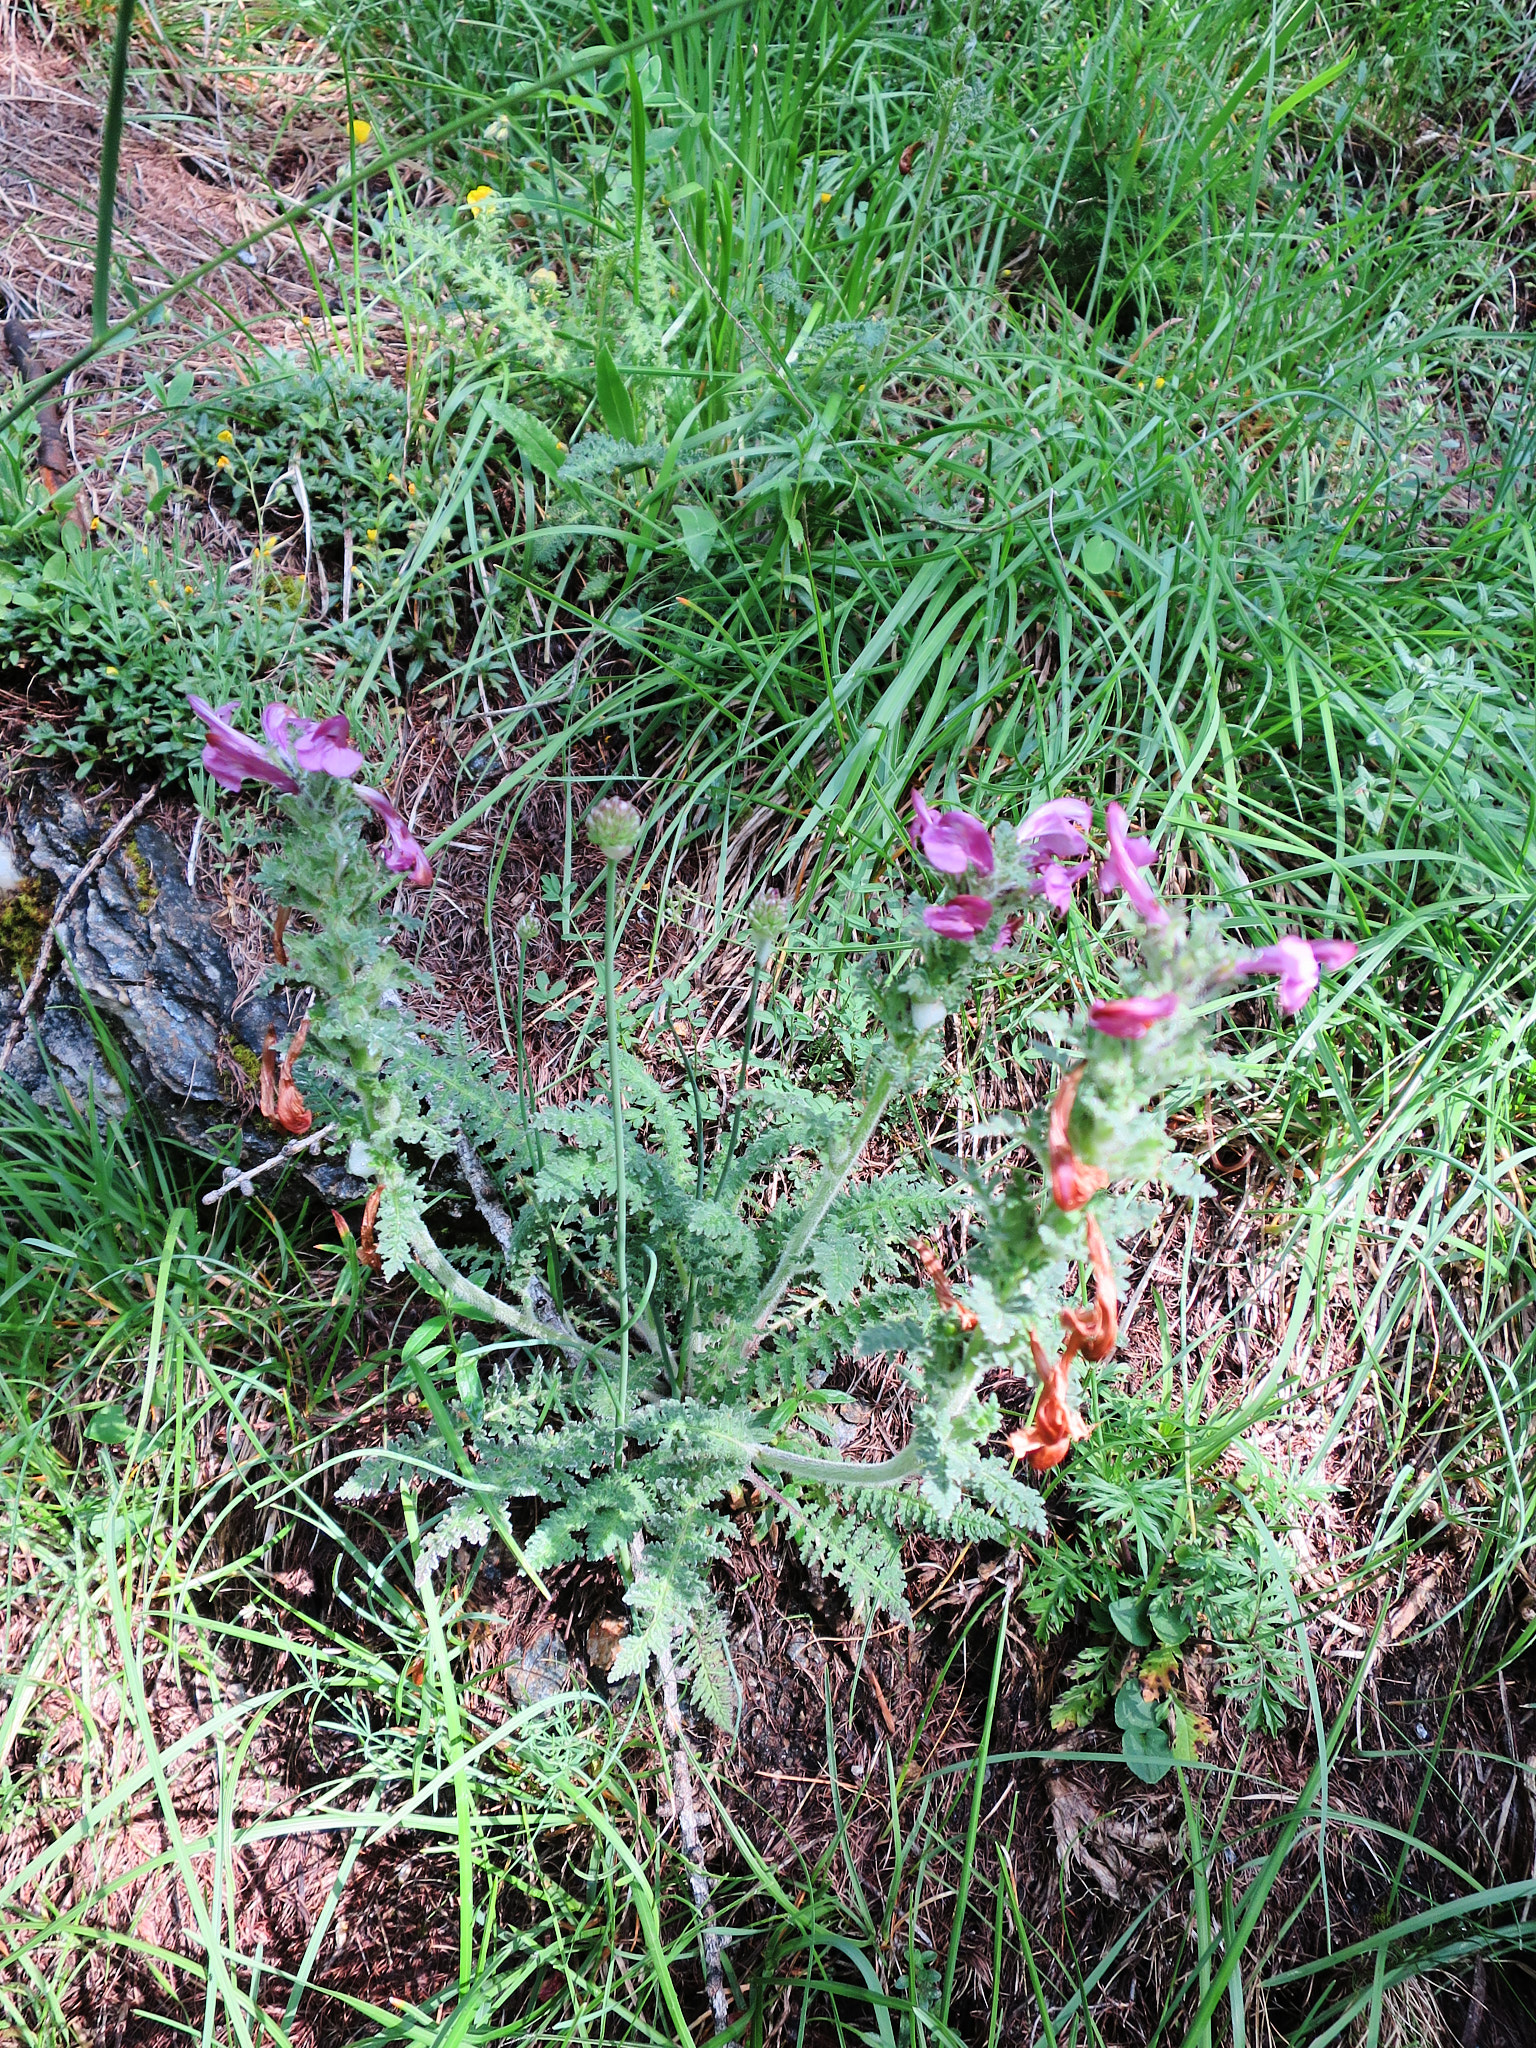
[483, 1188]
[104, 852]
[687, 1819]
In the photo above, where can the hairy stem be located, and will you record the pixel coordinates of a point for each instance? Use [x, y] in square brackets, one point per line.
[838, 1471]
[468, 1295]
[620, 1201]
[833, 1177]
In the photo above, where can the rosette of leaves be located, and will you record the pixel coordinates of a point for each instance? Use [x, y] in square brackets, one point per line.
[297, 436]
[740, 1307]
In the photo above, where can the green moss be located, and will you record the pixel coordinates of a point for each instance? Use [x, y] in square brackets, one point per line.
[143, 875]
[247, 1061]
[239, 1073]
[23, 920]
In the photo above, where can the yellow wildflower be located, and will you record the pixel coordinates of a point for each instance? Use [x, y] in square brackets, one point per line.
[224, 435]
[1158, 383]
[222, 463]
[109, 671]
[360, 133]
[479, 199]
[825, 199]
[373, 533]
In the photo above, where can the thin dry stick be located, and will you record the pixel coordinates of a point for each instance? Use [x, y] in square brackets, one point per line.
[107, 848]
[483, 1188]
[687, 1818]
[240, 1181]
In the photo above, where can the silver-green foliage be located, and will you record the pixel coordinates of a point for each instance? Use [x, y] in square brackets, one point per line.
[739, 1305]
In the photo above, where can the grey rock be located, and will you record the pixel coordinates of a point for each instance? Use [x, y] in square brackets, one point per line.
[541, 1671]
[143, 951]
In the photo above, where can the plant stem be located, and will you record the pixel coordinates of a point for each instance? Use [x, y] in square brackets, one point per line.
[620, 1203]
[463, 1798]
[833, 1176]
[963, 1891]
[741, 1078]
[470, 1295]
[1200, 2037]
[524, 1087]
[920, 211]
[111, 147]
[837, 1471]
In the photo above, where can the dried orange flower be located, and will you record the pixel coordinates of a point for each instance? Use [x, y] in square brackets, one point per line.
[1057, 1425]
[1073, 1181]
[933, 1266]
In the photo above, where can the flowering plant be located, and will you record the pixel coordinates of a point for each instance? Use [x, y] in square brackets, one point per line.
[660, 1334]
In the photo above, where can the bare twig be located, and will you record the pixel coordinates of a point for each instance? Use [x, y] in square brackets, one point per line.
[483, 1188]
[687, 1817]
[82, 875]
[240, 1182]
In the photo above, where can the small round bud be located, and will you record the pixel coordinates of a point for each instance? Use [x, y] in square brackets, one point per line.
[527, 928]
[767, 922]
[614, 827]
[927, 1014]
[544, 283]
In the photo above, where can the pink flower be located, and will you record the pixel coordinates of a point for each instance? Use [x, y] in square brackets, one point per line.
[318, 746]
[231, 756]
[1058, 827]
[1122, 868]
[1333, 953]
[1297, 962]
[1130, 1016]
[1054, 882]
[403, 855]
[950, 841]
[961, 918]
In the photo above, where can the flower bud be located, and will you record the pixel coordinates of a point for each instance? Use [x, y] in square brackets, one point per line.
[927, 1014]
[614, 827]
[767, 922]
[527, 928]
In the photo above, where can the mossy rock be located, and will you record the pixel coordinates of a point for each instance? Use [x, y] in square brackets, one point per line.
[24, 918]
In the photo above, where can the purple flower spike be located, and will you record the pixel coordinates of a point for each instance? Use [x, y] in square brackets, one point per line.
[1297, 962]
[1130, 1016]
[317, 746]
[1122, 868]
[1058, 828]
[962, 918]
[950, 841]
[403, 854]
[231, 756]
